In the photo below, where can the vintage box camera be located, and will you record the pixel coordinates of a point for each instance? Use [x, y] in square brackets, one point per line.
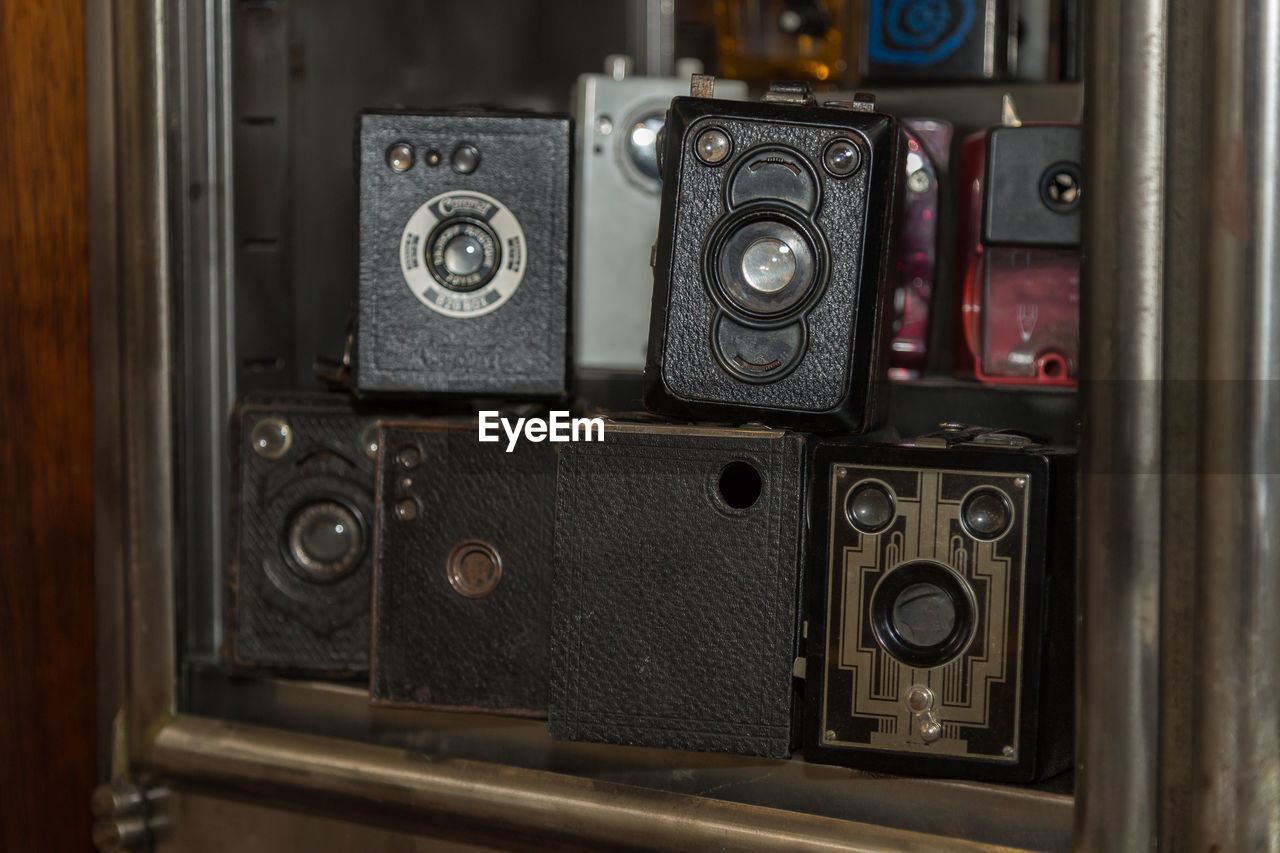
[618, 118]
[1019, 306]
[303, 503]
[464, 244]
[675, 612]
[463, 579]
[928, 144]
[774, 248]
[952, 41]
[940, 628]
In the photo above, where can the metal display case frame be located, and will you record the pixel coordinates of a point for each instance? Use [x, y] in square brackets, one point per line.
[1163, 755]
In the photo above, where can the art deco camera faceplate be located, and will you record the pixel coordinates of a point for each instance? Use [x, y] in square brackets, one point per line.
[300, 583]
[464, 241]
[675, 616]
[618, 118]
[773, 250]
[463, 580]
[941, 623]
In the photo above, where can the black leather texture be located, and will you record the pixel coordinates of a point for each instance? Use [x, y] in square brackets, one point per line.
[675, 614]
[434, 646]
[838, 381]
[519, 348]
[280, 620]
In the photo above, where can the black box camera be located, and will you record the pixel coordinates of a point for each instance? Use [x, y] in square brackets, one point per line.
[300, 580]
[463, 578]
[773, 250]
[675, 615]
[464, 247]
[941, 620]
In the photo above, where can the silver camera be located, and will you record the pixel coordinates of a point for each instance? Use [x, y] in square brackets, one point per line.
[618, 119]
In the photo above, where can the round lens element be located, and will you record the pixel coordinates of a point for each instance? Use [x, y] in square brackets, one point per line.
[1060, 187]
[768, 265]
[465, 159]
[986, 514]
[841, 157]
[325, 540]
[462, 254]
[765, 265]
[642, 145]
[400, 156]
[870, 507]
[712, 146]
[923, 615]
[271, 438]
[474, 568]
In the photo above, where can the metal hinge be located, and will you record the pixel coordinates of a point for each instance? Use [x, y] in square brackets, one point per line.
[126, 817]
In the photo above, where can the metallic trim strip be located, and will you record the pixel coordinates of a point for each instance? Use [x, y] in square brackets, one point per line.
[133, 409]
[497, 802]
[1120, 497]
[1236, 670]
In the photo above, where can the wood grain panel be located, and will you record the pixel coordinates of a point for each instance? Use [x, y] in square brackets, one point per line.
[47, 721]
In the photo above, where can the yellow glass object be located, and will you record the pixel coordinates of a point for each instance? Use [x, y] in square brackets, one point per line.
[764, 40]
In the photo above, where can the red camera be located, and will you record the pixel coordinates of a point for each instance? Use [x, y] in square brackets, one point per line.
[1019, 229]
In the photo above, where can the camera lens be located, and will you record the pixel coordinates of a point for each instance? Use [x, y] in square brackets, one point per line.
[642, 144]
[462, 254]
[325, 540]
[870, 507]
[766, 266]
[986, 514]
[1060, 187]
[841, 158]
[923, 615]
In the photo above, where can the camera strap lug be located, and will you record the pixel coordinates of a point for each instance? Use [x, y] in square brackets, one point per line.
[789, 92]
[702, 85]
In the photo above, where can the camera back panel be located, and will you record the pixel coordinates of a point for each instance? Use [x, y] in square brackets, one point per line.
[678, 552]
[300, 583]
[463, 583]
[616, 221]
[774, 246]
[940, 624]
[464, 242]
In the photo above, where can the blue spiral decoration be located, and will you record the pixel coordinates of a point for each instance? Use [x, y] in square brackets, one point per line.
[918, 32]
